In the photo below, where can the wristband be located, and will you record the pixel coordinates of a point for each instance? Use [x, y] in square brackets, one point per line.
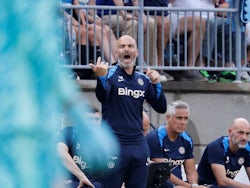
[194, 185]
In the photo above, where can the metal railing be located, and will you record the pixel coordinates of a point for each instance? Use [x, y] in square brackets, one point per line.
[226, 49]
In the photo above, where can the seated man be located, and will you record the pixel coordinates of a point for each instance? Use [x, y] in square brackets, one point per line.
[223, 158]
[170, 143]
[77, 169]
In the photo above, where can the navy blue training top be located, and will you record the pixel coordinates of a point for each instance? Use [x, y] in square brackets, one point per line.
[122, 97]
[174, 152]
[218, 152]
[70, 136]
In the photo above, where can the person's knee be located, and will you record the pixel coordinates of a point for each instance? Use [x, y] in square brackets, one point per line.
[200, 24]
[151, 22]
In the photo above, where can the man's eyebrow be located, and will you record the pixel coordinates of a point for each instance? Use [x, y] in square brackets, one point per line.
[241, 131]
[131, 45]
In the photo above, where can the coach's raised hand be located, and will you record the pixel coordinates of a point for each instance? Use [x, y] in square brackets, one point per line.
[101, 68]
[153, 75]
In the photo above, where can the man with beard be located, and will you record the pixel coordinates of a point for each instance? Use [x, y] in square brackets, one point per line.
[122, 91]
[223, 158]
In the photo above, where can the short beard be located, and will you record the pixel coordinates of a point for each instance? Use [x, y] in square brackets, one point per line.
[238, 145]
[125, 66]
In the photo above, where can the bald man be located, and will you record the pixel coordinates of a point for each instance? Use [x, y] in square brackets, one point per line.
[223, 158]
[122, 91]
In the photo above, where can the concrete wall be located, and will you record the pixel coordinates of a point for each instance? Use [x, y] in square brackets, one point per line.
[213, 107]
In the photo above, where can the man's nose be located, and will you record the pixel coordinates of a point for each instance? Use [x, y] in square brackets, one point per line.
[183, 120]
[245, 136]
[126, 48]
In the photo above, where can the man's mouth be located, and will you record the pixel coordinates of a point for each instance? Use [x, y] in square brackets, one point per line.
[126, 57]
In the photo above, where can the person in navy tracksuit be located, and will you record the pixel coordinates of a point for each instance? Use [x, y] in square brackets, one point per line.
[76, 170]
[224, 157]
[122, 91]
[171, 143]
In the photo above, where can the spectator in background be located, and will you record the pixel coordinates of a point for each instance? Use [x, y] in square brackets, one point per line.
[194, 26]
[78, 172]
[126, 22]
[216, 22]
[77, 36]
[93, 18]
[73, 30]
[101, 34]
[163, 25]
[171, 143]
[227, 47]
[224, 157]
[122, 91]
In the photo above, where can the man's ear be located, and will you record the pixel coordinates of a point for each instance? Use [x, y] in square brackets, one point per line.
[168, 116]
[230, 131]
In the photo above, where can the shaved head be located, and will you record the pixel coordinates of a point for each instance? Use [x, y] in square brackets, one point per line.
[126, 38]
[240, 122]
